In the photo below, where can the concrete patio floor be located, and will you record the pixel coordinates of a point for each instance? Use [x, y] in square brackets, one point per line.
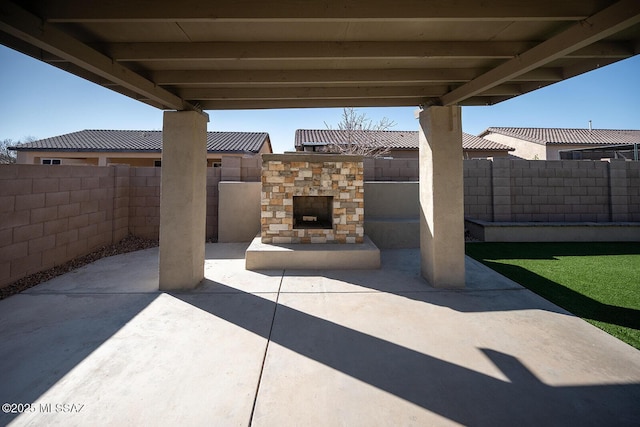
[305, 348]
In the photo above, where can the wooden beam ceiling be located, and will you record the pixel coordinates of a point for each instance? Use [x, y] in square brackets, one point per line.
[297, 10]
[210, 78]
[28, 28]
[191, 54]
[617, 17]
[139, 52]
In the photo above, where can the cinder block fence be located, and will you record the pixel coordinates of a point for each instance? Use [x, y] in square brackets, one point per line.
[552, 191]
[49, 215]
[52, 214]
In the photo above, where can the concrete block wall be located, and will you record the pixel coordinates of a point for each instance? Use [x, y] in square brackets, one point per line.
[478, 189]
[633, 189]
[250, 169]
[214, 176]
[241, 169]
[144, 202]
[50, 215]
[121, 212]
[564, 191]
[391, 169]
[505, 190]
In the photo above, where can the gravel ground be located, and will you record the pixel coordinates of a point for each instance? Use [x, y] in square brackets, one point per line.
[128, 244]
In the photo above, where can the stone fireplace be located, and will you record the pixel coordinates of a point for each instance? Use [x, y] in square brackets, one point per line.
[312, 198]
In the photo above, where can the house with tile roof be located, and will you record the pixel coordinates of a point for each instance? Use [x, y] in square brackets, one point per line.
[401, 144]
[549, 143]
[132, 147]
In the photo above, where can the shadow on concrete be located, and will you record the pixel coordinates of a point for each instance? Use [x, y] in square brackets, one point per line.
[455, 392]
[37, 352]
[400, 275]
[418, 289]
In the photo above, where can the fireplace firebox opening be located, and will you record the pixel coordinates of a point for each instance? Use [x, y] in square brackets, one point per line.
[313, 212]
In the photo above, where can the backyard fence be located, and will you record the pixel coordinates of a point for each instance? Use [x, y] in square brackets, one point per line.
[552, 191]
[52, 214]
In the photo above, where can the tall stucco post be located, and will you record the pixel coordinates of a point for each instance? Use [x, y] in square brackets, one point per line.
[441, 197]
[183, 199]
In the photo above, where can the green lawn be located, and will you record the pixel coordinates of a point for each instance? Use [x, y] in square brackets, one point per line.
[599, 282]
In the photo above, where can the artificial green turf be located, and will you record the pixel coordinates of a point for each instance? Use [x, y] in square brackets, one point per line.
[599, 282]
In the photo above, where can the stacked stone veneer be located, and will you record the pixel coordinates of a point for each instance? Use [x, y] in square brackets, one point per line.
[287, 175]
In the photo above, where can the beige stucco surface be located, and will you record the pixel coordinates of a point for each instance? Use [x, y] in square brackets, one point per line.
[183, 198]
[523, 149]
[113, 158]
[238, 211]
[441, 197]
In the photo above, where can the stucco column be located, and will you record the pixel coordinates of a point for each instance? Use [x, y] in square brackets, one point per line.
[183, 199]
[441, 197]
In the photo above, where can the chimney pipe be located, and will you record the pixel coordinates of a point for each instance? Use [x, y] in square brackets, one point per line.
[590, 126]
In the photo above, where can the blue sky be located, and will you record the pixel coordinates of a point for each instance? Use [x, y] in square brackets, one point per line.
[41, 101]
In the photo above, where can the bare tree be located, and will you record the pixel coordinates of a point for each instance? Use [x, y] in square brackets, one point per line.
[362, 135]
[9, 156]
[6, 155]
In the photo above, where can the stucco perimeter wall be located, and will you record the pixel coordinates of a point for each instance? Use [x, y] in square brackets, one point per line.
[238, 211]
[504, 190]
[50, 215]
[392, 214]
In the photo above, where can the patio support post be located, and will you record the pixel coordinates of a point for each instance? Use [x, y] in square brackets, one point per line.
[441, 197]
[183, 198]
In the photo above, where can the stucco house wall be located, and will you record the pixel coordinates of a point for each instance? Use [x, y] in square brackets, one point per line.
[547, 143]
[523, 149]
[109, 158]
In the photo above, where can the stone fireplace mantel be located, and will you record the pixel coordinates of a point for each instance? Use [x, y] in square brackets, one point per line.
[336, 178]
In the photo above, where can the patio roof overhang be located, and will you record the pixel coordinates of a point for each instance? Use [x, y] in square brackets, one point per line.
[232, 54]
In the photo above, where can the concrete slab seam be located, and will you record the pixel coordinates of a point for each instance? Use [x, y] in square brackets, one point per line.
[266, 349]
[430, 291]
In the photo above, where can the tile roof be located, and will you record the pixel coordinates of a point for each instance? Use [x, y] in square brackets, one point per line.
[473, 143]
[553, 136]
[393, 139]
[398, 140]
[143, 140]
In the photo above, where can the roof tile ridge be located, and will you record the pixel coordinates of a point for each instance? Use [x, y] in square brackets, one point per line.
[508, 131]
